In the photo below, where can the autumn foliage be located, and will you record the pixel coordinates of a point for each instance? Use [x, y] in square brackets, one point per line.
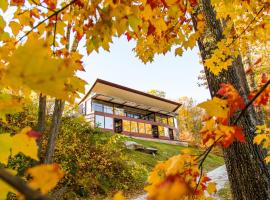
[38, 53]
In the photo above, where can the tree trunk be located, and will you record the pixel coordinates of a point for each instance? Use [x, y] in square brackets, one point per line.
[41, 120]
[54, 129]
[248, 174]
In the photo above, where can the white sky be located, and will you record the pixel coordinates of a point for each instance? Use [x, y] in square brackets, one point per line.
[177, 76]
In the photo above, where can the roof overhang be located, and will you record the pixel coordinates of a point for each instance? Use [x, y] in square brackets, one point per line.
[126, 96]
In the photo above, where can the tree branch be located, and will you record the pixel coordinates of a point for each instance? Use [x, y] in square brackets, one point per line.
[42, 5]
[247, 27]
[52, 15]
[18, 184]
[251, 101]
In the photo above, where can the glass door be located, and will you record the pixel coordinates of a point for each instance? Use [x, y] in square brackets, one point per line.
[118, 125]
[155, 131]
[171, 134]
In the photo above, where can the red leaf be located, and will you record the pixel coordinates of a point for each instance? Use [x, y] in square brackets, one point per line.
[128, 36]
[16, 2]
[238, 134]
[193, 3]
[34, 134]
[235, 101]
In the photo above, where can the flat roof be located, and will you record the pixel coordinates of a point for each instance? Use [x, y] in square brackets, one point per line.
[131, 96]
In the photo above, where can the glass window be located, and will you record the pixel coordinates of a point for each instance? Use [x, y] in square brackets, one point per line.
[151, 117]
[119, 111]
[134, 127]
[161, 130]
[164, 120]
[141, 128]
[99, 121]
[148, 128]
[108, 122]
[126, 125]
[136, 116]
[97, 107]
[108, 109]
[130, 115]
[158, 119]
[170, 121]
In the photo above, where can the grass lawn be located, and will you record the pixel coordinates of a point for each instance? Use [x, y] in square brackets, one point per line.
[165, 151]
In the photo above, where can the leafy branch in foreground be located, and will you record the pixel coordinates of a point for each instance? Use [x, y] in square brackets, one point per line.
[21, 186]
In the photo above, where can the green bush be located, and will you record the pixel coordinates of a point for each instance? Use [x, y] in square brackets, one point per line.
[94, 161]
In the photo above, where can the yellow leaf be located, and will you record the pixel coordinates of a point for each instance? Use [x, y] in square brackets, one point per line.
[216, 107]
[211, 188]
[4, 5]
[5, 188]
[134, 22]
[21, 142]
[45, 177]
[9, 104]
[25, 144]
[147, 12]
[258, 139]
[267, 159]
[171, 2]
[15, 27]
[5, 147]
[2, 23]
[178, 51]
[119, 196]
[32, 66]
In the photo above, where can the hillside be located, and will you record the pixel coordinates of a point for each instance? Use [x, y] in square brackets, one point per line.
[165, 151]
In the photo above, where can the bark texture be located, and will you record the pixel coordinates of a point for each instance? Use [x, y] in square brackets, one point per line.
[248, 174]
[41, 120]
[54, 129]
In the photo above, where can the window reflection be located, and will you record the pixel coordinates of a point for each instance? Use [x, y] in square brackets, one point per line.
[99, 121]
[97, 107]
[108, 109]
[161, 130]
[148, 129]
[119, 111]
[141, 128]
[108, 122]
[134, 127]
[126, 125]
[170, 121]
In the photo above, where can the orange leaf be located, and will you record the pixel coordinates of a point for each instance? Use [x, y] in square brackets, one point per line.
[45, 177]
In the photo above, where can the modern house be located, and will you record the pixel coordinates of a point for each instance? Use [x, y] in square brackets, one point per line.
[123, 110]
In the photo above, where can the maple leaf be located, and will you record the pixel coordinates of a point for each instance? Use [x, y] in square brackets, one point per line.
[5, 147]
[9, 104]
[18, 2]
[263, 98]
[211, 188]
[23, 143]
[258, 139]
[4, 5]
[51, 3]
[216, 107]
[32, 66]
[235, 101]
[20, 143]
[267, 159]
[45, 177]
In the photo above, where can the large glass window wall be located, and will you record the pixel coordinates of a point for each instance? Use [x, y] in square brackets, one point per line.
[104, 122]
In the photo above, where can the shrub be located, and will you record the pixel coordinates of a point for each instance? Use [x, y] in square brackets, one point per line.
[94, 161]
